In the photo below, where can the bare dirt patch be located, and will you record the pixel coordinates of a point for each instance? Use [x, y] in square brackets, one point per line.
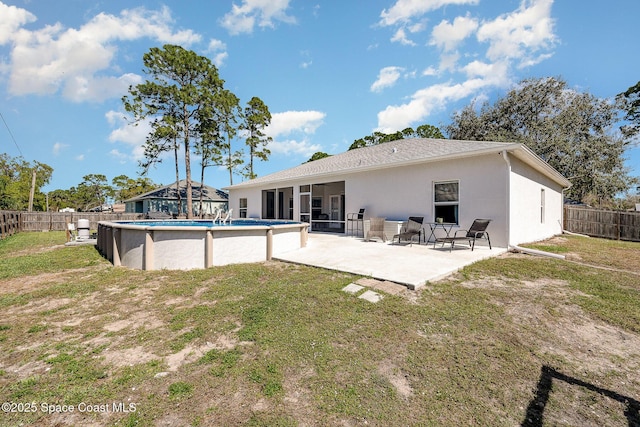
[396, 377]
[562, 328]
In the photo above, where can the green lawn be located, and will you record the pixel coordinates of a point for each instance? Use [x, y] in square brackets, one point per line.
[508, 341]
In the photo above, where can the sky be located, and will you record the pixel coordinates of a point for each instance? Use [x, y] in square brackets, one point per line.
[330, 71]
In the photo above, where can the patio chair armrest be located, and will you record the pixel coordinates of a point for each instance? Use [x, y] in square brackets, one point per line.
[455, 235]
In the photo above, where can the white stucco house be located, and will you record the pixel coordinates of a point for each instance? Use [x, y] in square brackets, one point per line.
[458, 181]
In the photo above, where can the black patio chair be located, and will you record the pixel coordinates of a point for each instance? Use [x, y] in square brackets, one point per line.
[355, 222]
[412, 228]
[478, 230]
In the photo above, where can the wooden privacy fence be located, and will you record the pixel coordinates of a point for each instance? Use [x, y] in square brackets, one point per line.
[57, 221]
[12, 221]
[9, 223]
[617, 225]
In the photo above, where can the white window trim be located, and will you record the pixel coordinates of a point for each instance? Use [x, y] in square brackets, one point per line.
[433, 198]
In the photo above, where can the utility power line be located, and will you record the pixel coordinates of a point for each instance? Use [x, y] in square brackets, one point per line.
[9, 130]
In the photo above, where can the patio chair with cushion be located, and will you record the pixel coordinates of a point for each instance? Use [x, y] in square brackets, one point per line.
[376, 229]
[477, 231]
[355, 222]
[411, 229]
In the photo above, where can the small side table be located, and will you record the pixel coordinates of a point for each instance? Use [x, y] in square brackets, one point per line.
[433, 226]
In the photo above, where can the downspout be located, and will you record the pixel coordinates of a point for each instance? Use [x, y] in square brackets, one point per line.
[505, 156]
[515, 248]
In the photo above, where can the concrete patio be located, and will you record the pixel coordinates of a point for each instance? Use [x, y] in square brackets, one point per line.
[410, 265]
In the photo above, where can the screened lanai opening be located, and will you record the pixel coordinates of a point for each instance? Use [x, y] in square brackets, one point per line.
[327, 207]
[277, 203]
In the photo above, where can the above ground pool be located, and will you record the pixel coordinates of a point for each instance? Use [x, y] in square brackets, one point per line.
[189, 244]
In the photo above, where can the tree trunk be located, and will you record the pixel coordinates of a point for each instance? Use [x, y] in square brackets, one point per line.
[187, 164]
[175, 154]
[201, 189]
[230, 163]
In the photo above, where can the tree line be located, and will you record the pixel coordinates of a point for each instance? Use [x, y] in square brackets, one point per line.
[93, 192]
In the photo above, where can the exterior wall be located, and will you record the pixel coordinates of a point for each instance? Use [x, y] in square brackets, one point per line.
[397, 193]
[484, 192]
[254, 202]
[526, 222]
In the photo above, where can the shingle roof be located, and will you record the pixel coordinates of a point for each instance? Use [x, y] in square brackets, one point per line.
[169, 192]
[389, 154]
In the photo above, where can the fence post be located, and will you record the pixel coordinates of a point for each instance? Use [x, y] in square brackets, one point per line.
[619, 231]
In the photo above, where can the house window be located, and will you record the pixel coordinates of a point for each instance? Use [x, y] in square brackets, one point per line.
[542, 203]
[243, 207]
[446, 199]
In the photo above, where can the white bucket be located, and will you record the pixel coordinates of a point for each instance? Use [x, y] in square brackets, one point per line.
[83, 229]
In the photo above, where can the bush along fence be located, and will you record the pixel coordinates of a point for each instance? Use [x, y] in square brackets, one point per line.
[618, 225]
[12, 222]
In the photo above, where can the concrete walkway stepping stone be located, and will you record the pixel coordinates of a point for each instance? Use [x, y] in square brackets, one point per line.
[371, 296]
[383, 285]
[352, 288]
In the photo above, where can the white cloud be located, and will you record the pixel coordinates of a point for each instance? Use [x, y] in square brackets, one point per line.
[424, 102]
[404, 11]
[448, 62]
[79, 157]
[294, 121]
[53, 57]
[12, 19]
[125, 131]
[298, 126]
[121, 157]
[264, 13]
[387, 77]
[495, 73]
[400, 36]
[447, 35]
[219, 51]
[292, 146]
[517, 39]
[430, 71]
[521, 34]
[306, 59]
[58, 147]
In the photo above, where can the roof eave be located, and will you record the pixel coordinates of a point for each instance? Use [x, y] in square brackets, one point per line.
[525, 154]
[367, 168]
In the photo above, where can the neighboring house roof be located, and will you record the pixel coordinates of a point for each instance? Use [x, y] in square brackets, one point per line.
[403, 152]
[168, 192]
